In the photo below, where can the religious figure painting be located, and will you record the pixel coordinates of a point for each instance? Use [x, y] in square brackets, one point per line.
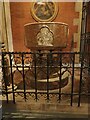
[44, 11]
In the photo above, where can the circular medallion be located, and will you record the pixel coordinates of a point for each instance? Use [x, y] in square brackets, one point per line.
[44, 11]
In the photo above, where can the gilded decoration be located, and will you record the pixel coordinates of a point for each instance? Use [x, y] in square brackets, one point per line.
[44, 11]
[45, 37]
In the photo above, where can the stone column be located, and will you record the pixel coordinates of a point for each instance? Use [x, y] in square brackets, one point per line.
[0, 60]
[1, 7]
[5, 26]
[77, 21]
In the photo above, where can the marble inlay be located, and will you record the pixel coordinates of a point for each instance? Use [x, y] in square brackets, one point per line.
[45, 37]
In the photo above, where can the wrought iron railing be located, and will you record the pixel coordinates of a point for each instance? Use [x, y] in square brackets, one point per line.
[44, 73]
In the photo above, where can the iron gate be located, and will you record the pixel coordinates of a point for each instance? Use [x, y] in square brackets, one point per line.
[42, 72]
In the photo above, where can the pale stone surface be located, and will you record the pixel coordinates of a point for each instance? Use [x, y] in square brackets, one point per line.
[1, 6]
[5, 25]
[77, 21]
[8, 27]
